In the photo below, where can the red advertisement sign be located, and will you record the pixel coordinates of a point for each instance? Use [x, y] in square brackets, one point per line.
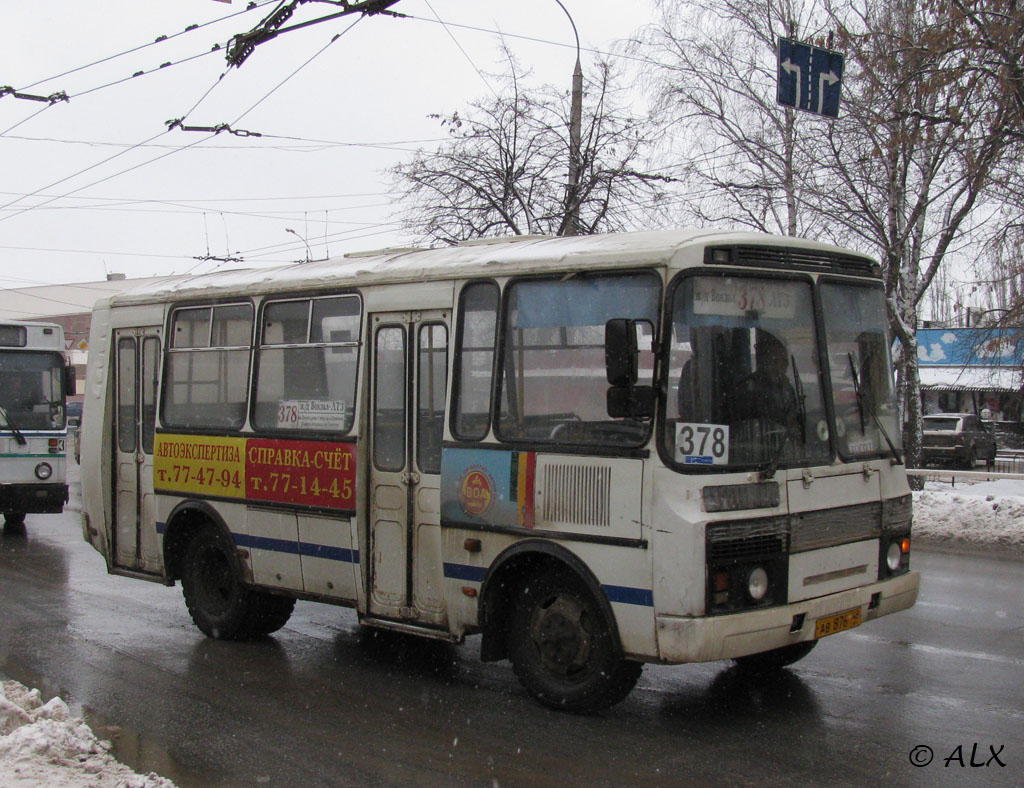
[308, 473]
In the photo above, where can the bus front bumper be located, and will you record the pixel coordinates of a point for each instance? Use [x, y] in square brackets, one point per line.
[33, 498]
[683, 639]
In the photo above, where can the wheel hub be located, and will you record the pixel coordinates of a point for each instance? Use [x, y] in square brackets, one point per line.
[561, 636]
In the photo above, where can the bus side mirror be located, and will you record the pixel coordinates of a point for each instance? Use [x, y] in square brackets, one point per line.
[631, 402]
[620, 351]
[625, 399]
[70, 380]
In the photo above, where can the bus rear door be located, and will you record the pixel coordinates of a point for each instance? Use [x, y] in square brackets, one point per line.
[410, 365]
[137, 362]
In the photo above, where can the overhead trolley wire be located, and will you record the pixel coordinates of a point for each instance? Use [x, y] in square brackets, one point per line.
[170, 125]
[64, 97]
[105, 161]
[159, 40]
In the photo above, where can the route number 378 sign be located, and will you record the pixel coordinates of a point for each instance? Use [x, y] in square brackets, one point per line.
[702, 444]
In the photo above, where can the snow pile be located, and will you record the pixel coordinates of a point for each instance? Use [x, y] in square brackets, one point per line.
[41, 744]
[987, 514]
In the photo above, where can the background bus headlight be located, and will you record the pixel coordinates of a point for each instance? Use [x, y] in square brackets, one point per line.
[43, 471]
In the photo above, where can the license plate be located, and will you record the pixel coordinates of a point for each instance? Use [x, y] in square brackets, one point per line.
[840, 622]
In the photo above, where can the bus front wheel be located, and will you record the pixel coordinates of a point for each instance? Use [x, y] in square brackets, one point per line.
[562, 648]
[14, 518]
[777, 658]
[218, 602]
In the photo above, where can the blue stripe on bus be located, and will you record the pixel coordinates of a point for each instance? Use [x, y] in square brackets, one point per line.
[46, 456]
[623, 594]
[465, 572]
[330, 553]
[327, 552]
[630, 596]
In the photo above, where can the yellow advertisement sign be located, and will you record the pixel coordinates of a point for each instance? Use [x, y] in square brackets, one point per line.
[200, 465]
[304, 473]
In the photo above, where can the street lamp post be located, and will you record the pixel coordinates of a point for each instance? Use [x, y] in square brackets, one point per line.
[309, 254]
[572, 205]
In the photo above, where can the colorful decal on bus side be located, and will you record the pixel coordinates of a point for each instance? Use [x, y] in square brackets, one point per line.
[486, 487]
[304, 473]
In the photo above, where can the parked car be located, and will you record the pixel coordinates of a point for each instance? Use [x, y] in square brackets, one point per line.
[959, 439]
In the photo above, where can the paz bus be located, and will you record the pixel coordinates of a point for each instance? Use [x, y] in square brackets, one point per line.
[595, 452]
[35, 380]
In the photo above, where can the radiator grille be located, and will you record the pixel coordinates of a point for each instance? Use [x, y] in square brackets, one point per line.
[736, 541]
[897, 513]
[828, 527]
[577, 494]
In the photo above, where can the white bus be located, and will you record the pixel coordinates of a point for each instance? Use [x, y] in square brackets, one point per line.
[596, 452]
[35, 380]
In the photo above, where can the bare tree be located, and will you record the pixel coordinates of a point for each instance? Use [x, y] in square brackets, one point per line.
[917, 151]
[505, 168]
[922, 139]
[712, 67]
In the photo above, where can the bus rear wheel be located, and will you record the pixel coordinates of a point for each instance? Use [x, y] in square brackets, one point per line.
[562, 648]
[777, 658]
[220, 605]
[269, 612]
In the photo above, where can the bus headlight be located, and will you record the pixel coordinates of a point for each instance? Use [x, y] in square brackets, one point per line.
[43, 471]
[757, 583]
[893, 556]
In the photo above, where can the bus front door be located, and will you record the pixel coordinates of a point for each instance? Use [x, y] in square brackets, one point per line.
[137, 364]
[410, 366]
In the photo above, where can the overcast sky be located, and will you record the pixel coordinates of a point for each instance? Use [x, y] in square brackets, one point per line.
[98, 184]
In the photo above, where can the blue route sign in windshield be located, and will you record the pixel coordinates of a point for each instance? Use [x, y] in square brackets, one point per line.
[810, 78]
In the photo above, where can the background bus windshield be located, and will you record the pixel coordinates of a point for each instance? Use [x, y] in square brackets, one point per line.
[32, 389]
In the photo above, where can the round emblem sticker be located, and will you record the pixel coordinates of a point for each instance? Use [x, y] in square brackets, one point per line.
[475, 492]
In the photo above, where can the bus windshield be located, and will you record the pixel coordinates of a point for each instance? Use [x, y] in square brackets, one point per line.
[744, 384]
[32, 390]
[858, 352]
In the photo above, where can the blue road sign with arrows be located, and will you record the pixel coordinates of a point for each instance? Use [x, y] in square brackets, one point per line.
[810, 78]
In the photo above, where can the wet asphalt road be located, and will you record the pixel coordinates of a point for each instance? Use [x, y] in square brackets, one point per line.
[322, 703]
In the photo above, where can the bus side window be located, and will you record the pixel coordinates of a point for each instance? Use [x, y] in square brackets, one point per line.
[431, 373]
[208, 367]
[389, 400]
[474, 365]
[306, 366]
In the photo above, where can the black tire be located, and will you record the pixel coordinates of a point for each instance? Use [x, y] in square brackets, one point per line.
[220, 605]
[562, 648]
[14, 518]
[970, 458]
[269, 612]
[777, 658]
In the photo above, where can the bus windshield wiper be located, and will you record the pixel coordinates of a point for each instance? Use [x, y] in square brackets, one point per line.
[12, 427]
[858, 393]
[801, 400]
[874, 416]
[768, 468]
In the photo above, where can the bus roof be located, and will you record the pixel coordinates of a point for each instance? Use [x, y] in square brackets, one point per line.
[477, 258]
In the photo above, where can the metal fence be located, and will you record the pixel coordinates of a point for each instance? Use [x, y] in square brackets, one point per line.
[1009, 464]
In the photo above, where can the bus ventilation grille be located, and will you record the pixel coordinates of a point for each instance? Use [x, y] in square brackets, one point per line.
[577, 494]
[821, 262]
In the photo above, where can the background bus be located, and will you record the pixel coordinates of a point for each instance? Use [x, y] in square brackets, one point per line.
[597, 452]
[35, 380]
